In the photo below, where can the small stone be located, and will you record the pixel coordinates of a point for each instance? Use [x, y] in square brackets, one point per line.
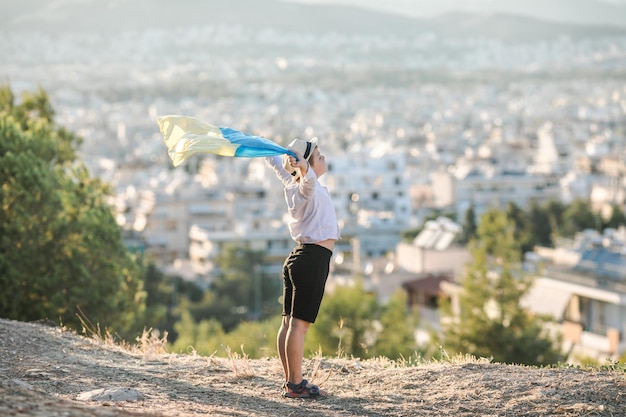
[111, 394]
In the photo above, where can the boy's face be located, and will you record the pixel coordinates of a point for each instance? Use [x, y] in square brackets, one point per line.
[318, 162]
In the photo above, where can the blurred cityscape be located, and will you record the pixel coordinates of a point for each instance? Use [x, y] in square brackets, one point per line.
[413, 122]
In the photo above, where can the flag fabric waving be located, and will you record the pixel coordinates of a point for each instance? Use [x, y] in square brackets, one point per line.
[187, 136]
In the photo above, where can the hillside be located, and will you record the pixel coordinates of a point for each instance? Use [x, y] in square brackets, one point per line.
[45, 371]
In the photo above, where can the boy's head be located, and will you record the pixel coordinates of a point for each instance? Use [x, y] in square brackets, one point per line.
[304, 148]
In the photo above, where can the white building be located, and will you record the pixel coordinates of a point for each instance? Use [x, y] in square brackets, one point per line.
[487, 189]
[434, 249]
[370, 192]
[583, 287]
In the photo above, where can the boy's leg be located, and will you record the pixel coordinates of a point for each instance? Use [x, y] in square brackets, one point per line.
[288, 291]
[294, 348]
[281, 342]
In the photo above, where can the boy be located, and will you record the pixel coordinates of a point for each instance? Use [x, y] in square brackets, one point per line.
[313, 225]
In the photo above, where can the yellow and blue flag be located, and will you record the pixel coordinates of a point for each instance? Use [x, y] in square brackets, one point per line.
[187, 136]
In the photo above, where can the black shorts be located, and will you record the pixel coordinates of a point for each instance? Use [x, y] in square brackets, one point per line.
[304, 278]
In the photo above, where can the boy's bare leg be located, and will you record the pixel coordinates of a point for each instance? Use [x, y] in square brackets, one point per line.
[280, 342]
[294, 348]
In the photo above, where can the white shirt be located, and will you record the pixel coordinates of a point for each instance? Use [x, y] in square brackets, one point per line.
[312, 216]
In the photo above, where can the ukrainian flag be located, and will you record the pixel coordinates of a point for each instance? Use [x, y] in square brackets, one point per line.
[186, 136]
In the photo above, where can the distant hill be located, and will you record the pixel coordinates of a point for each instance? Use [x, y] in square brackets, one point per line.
[574, 11]
[588, 12]
[114, 16]
[515, 27]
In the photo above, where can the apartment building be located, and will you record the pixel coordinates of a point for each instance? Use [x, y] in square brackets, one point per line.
[434, 249]
[370, 192]
[582, 285]
[487, 189]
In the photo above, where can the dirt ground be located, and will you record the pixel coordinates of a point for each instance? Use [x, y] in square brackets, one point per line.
[46, 371]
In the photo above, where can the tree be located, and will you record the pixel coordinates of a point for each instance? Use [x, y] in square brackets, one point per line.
[163, 295]
[522, 232]
[345, 321]
[491, 323]
[469, 225]
[204, 337]
[616, 219]
[540, 225]
[61, 252]
[255, 339]
[396, 339]
[240, 291]
[579, 216]
[555, 210]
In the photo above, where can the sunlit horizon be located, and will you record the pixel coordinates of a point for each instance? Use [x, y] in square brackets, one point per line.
[577, 11]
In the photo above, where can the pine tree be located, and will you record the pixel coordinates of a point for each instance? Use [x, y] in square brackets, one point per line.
[540, 226]
[522, 230]
[490, 322]
[469, 225]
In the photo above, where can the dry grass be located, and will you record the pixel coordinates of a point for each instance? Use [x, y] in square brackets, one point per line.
[44, 369]
[240, 363]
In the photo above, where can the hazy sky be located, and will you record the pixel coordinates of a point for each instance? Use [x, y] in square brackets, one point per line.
[427, 8]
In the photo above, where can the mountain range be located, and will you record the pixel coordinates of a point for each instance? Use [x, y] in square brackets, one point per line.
[115, 16]
[590, 12]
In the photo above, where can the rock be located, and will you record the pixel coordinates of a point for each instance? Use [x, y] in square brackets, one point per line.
[111, 394]
[22, 384]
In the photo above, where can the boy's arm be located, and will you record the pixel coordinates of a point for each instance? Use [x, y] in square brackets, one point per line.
[276, 163]
[307, 183]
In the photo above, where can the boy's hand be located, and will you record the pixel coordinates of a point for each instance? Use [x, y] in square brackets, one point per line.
[300, 164]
